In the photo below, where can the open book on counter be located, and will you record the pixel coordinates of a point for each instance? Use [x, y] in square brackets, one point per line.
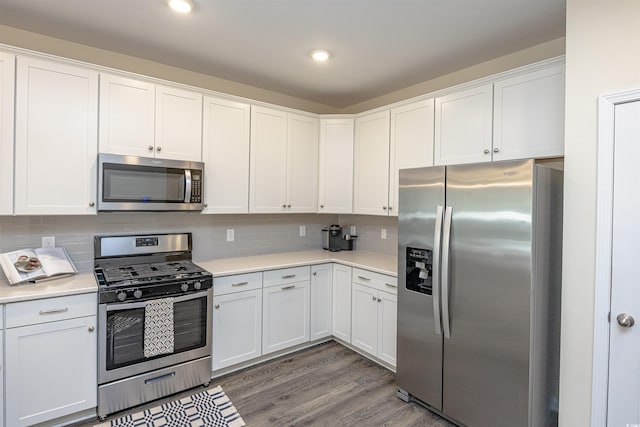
[33, 265]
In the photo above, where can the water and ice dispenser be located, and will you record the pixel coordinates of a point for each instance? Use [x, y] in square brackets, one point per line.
[419, 270]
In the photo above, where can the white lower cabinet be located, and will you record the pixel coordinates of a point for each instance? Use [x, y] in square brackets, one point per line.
[285, 308]
[237, 319]
[342, 302]
[321, 301]
[51, 368]
[374, 314]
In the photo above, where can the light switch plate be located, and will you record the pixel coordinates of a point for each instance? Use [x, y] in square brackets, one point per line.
[383, 233]
[303, 230]
[231, 235]
[49, 242]
[353, 230]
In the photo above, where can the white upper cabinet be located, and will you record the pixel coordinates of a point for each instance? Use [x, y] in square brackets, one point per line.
[284, 162]
[225, 152]
[56, 138]
[139, 118]
[7, 80]
[529, 115]
[463, 126]
[411, 143]
[335, 187]
[371, 164]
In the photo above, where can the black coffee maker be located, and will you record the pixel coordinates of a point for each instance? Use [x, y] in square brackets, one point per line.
[333, 240]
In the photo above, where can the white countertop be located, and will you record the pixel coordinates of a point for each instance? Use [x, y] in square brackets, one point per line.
[385, 264]
[80, 283]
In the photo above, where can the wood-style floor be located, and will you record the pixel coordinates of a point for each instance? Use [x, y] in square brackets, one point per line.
[325, 385]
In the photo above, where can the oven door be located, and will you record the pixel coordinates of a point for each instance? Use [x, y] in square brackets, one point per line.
[121, 336]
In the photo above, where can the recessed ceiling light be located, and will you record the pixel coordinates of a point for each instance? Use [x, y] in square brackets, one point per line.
[320, 55]
[182, 6]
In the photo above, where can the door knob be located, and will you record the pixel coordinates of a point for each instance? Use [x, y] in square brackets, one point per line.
[486, 151]
[625, 320]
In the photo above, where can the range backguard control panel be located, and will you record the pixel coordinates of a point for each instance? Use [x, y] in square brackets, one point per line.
[419, 269]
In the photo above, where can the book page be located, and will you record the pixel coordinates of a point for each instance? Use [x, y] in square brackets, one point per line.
[55, 261]
[22, 265]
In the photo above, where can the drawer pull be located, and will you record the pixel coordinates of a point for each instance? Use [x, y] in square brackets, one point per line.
[160, 378]
[54, 311]
[240, 284]
[364, 278]
[288, 287]
[391, 285]
[289, 276]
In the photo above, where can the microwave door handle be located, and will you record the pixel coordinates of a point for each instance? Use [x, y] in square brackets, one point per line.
[187, 186]
[435, 275]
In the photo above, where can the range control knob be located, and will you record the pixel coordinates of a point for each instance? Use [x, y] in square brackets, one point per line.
[137, 293]
[184, 287]
[122, 296]
[197, 286]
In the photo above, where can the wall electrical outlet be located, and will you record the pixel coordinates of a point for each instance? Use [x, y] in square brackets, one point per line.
[231, 235]
[383, 233]
[353, 230]
[49, 242]
[303, 230]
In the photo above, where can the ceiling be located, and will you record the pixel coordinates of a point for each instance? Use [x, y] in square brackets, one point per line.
[378, 46]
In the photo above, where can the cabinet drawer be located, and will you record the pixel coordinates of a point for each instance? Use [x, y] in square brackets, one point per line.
[50, 309]
[381, 282]
[237, 283]
[286, 275]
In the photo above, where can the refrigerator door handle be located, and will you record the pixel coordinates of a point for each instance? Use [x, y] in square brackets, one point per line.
[445, 272]
[437, 246]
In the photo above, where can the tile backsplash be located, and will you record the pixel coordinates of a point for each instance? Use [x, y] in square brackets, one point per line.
[255, 234]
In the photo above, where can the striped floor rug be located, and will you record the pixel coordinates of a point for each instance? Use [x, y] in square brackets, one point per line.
[210, 408]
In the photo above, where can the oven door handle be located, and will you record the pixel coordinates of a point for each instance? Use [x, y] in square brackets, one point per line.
[142, 304]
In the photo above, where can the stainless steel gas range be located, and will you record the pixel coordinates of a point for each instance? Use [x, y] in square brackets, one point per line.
[154, 319]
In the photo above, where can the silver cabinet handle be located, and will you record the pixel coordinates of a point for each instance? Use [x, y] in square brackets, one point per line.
[284, 206]
[390, 207]
[288, 206]
[217, 306]
[364, 278]
[288, 287]
[150, 148]
[92, 204]
[158, 149]
[373, 298]
[91, 328]
[384, 208]
[486, 151]
[321, 206]
[437, 237]
[625, 320]
[445, 272]
[315, 273]
[495, 150]
[289, 276]
[391, 285]
[54, 311]
[379, 299]
[240, 284]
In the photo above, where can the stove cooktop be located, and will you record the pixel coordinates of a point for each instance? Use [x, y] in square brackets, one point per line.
[151, 272]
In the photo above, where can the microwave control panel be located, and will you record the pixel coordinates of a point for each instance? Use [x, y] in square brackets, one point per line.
[196, 186]
[418, 270]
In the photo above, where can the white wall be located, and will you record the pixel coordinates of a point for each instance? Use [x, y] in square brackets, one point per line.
[603, 56]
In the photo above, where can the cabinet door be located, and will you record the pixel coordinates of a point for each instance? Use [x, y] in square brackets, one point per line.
[285, 317]
[529, 115]
[411, 144]
[371, 164]
[267, 191]
[127, 116]
[342, 302]
[7, 79]
[1, 378]
[321, 301]
[463, 126]
[50, 370]
[225, 151]
[364, 318]
[56, 146]
[302, 164]
[178, 124]
[237, 328]
[387, 326]
[335, 186]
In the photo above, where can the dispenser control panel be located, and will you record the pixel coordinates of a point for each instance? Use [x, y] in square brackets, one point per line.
[419, 269]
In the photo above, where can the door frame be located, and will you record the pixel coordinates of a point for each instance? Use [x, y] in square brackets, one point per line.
[603, 260]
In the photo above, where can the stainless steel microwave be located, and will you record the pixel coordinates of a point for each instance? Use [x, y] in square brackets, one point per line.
[130, 183]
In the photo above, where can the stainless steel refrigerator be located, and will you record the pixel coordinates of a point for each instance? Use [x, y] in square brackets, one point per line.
[479, 254]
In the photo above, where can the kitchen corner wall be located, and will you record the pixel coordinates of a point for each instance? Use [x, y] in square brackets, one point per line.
[254, 234]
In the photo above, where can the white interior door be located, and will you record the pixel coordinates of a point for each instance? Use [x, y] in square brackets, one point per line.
[624, 352]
